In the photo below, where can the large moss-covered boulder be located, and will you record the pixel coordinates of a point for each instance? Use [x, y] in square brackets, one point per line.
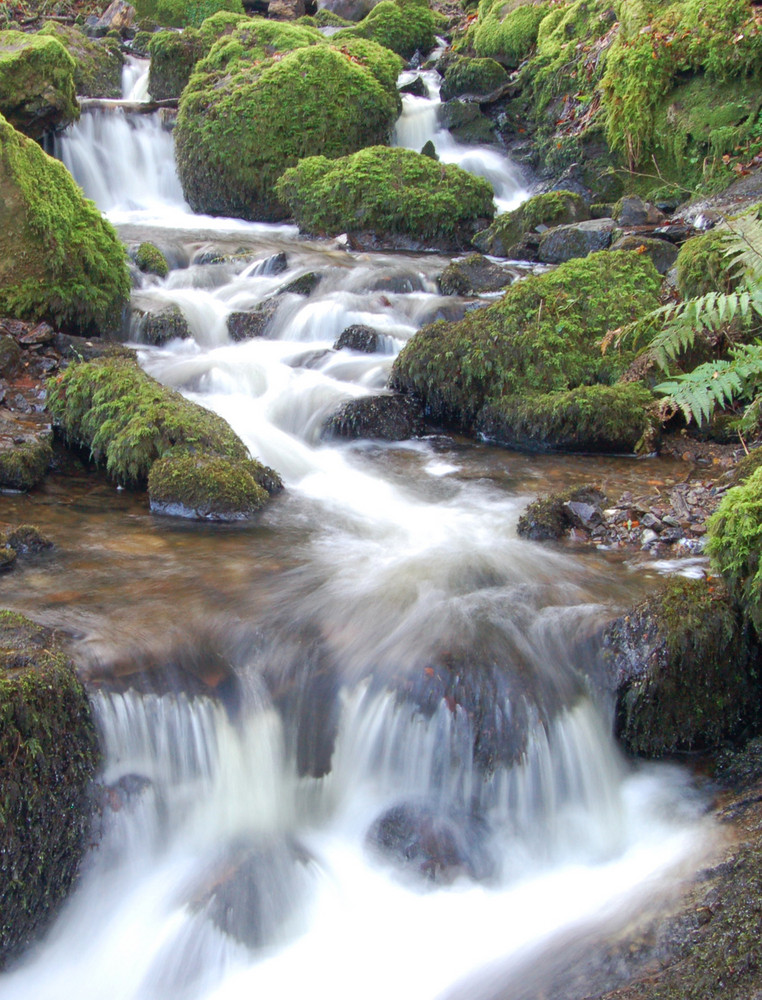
[242, 123]
[97, 61]
[59, 259]
[37, 90]
[183, 13]
[507, 31]
[477, 77]
[684, 668]
[542, 337]
[556, 208]
[49, 752]
[404, 26]
[129, 422]
[386, 191]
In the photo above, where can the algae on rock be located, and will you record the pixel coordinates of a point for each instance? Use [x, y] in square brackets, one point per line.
[404, 26]
[184, 13]
[37, 90]
[98, 61]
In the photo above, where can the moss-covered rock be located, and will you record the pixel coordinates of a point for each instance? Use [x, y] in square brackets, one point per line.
[241, 123]
[129, 422]
[702, 266]
[59, 259]
[24, 458]
[685, 670]
[556, 208]
[663, 253]
[324, 18]
[151, 260]
[550, 517]
[98, 61]
[473, 275]
[384, 418]
[507, 31]
[49, 750]
[183, 13]
[588, 418]
[404, 26]
[541, 337]
[479, 77]
[563, 243]
[37, 90]
[386, 191]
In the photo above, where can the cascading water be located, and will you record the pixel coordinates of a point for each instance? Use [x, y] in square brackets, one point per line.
[403, 778]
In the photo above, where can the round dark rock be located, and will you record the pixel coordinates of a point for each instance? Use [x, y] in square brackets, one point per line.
[358, 338]
[385, 418]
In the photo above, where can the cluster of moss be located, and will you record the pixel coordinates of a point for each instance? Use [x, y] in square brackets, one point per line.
[556, 208]
[542, 337]
[404, 26]
[386, 191]
[151, 260]
[697, 683]
[37, 90]
[243, 121]
[49, 752]
[59, 259]
[174, 54]
[25, 463]
[184, 13]
[508, 31]
[703, 266]
[98, 61]
[129, 422]
[472, 76]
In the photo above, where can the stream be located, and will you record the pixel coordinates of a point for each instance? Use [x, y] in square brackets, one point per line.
[359, 744]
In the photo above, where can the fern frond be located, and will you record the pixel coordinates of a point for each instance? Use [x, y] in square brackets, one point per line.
[744, 248]
[699, 393]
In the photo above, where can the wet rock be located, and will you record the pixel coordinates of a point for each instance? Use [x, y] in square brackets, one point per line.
[286, 10]
[358, 338]
[254, 322]
[472, 275]
[160, 327]
[305, 284]
[567, 242]
[466, 122]
[432, 844]
[385, 418]
[118, 16]
[662, 253]
[416, 87]
[27, 539]
[25, 451]
[633, 211]
[551, 517]
[10, 355]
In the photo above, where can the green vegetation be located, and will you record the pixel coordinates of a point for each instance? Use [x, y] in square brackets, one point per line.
[25, 463]
[472, 76]
[98, 62]
[703, 265]
[184, 13]
[173, 56]
[151, 260]
[206, 486]
[36, 83]
[49, 752]
[541, 337]
[242, 123]
[507, 31]
[404, 26]
[59, 259]
[386, 191]
[556, 208]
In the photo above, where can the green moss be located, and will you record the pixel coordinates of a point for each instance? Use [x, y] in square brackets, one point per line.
[173, 56]
[59, 259]
[589, 418]
[24, 465]
[556, 208]
[386, 191]
[207, 487]
[140, 43]
[49, 750]
[184, 13]
[702, 265]
[327, 19]
[256, 40]
[240, 127]
[404, 27]
[507, 31]
[98, 62]
[547, 518]
[696, 682]
[151, 260]
[472, 76]
[37, 90]
[128, 420]
[541, 337]
[384, 64]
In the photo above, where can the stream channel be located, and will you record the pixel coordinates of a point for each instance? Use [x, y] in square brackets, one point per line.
[401, 779]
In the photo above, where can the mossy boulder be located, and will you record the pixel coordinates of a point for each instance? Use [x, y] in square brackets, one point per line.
[562, 243]
[477, 77]
[507, 31]
[663, 253]
[473, 275]
[37, 92]
[129, 422]
[404, 26]
[386, 191]
[98, 61]
[685, 670]
[183, 13]
[59, 259]
[49, 749]
[242, 124]
[703, 266]
[588, 418]
[151, 260]
[26, 454]
[555, 208]
[384, 418]
[550, 517]
[542, 337]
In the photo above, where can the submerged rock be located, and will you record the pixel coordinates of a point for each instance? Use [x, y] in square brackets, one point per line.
[25, 451]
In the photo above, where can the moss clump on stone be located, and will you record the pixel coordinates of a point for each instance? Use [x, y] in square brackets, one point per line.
[404, 26]
[98, 61]
[324, 18]
[49, 750]
[555, 208]
[37, 90]
[129, 421]
[242, 124]
[59, 259]
[384, 64]
[703, 266]
[24, 465]
[173, 56]
[508, 31]
[686, 668]
[548, 518]
[184, 13]
[589, 418]
[472, 76]
[206, 487]
[151, 260]
[386, 191]
[541, 337]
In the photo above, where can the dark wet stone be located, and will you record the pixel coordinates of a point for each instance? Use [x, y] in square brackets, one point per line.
[358, 338]
[385, 418]
[303, 285]
[473, 275]
[662, 252]
[416, 87]
[254, 322]
[160, 327]
[633, 211]
[578, 240]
